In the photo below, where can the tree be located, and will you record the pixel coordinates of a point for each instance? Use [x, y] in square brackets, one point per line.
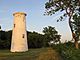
[4, 40]
[35, 40]
[71, 7]
[51, 34]
[76, 25]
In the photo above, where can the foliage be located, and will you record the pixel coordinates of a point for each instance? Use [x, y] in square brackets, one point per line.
[67, 51]
[35, 40]
[5, 39]
[71, 8]
[51, 34]
[76, 25]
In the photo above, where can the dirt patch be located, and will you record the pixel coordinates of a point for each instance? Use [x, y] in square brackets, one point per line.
[50, 54]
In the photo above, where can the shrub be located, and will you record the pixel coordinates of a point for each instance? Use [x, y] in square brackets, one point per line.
[68, 51]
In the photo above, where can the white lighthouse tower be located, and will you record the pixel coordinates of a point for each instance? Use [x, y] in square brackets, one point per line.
[19, 34]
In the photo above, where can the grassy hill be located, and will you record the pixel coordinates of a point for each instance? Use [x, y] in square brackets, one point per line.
[32, 54]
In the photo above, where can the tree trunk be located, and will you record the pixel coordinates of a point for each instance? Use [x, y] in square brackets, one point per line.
[73, 34]
[75, 41]
[70, 13]
[76, 44]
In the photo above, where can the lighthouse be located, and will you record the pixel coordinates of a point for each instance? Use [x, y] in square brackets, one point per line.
[19, 34]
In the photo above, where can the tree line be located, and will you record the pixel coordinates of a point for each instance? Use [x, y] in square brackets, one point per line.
[35, 39]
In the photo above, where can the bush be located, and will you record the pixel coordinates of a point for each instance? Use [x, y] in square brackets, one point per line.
[5, 44]
[68, 51]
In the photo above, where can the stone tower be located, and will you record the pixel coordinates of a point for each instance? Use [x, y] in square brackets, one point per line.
[19, 34]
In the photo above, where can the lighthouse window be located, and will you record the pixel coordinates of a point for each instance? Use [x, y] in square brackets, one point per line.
[14, 25]
[23, 36]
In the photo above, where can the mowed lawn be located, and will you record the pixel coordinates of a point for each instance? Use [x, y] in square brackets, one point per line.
[32, 54]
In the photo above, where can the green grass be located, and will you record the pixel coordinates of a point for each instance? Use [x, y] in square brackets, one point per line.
[32, 54]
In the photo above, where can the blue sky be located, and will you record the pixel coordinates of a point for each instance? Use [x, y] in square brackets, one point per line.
[36, 21]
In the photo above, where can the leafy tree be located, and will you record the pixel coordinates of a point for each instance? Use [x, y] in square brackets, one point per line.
[4, 40]
[8, 34]
[71, 7]
[35, 40]
[76, 25]
[2, 34]
[51, 34]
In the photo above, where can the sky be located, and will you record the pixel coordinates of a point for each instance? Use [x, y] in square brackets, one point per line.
[35, 19]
